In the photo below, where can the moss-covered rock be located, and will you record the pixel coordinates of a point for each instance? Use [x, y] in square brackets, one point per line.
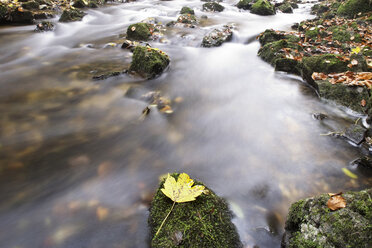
[80, 3]
[348, 96]
[245, 4]
[263, 7]
[352, 7]
[187, 19]
[187, 10]
[203, 223]
[286, 8]
[311, 224]
[71, 15]
[270, 35]
[217, 37]
[44, 26]
[274, 50]
[326, 63]
[30, 5]
[139, 31]
[213, 6]
[148, 62]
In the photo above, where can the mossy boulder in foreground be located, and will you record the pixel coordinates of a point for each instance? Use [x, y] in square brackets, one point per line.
[148, 62]
[203, 223]
[263, 7]
[139, 31]
[311, 224]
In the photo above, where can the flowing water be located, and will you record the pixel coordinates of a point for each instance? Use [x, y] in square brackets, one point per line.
[78, 166]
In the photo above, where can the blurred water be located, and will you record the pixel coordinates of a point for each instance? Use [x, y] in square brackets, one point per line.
[78, 168]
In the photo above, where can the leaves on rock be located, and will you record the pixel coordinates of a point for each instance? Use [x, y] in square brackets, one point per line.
[182, 189]
[348, 78]
[336, 201]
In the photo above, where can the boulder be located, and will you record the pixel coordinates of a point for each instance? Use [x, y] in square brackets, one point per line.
[217, 37]
[80, 3]
[148, 62]
[30, 5]
[286, 8]
[263, 7]
[71, 15]
[204, 222]
[139, 31]
[22, 17]
[310, 223]
[187, 10]
[245, 4]
[352, 7]
[213, 6]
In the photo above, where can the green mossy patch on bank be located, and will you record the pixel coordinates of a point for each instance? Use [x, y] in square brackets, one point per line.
[310, 223]
[203, 223]
[351, 8]
[148, 62]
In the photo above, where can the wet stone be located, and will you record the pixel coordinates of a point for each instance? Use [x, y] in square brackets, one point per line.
[44, 27]
[213, 7]
[217, 37]
[71, 15]
[363, 163]
[319, 116]
[355, 133]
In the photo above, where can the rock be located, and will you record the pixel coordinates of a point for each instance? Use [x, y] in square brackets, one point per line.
[139, 31]
[3, 12]
[245, 4]
[213, 6]
[352, 7]
[310, 223]
[80, 3]
[107, 75]
[184, 227]
[348, 96]
[286, 8]
[44, 26]
[187, 10]
[263, 7]
[355, 133]
[149, 62]
[30, 5]
[187, 19]
[364, 164]
[288, 65]
[22, 17]
[319, 116]
[71, 15]
[217, 37]
[270, 36]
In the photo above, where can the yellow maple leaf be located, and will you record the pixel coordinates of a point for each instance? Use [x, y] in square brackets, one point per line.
[355, 50]
[182, 189]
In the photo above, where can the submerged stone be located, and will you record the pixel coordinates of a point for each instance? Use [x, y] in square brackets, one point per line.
[355, 133]
[139, 31]
[217, 37]
[310, 223]
[149, 62]
[203, 223]
[263, 7]
[213, 6]
[44, 26]
[71, 15]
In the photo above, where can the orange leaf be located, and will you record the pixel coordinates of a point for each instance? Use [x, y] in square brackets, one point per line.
[363, 103]
[336, 202]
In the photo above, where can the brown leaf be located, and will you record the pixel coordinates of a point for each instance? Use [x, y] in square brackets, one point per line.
[363, 103]
[336, 202]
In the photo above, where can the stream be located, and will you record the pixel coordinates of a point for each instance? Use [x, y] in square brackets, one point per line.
[78, 165]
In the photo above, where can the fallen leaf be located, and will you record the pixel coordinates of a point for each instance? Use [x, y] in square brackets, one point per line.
[133, 29]
[349, 173]
[363, 103]
[181, 190]
[336, 202]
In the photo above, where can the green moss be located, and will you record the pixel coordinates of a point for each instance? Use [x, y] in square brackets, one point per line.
[340, 34]
[273, 50]
[325, 63]
[295, 216]
[344, 95]
[187, 19]
[80, 3]
[149, 62]
[213, 6]
[352, 7]
[245, 4]
[3, 11]
[312, 33]
[71, 15]
[205, 222]
[187, 10]
[269, 35]
[298, 241]
[139, 31]
[263, 7]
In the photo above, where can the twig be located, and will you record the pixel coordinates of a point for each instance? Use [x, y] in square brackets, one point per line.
[165, 219]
